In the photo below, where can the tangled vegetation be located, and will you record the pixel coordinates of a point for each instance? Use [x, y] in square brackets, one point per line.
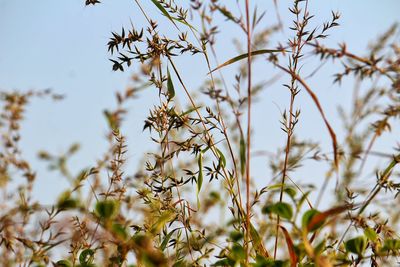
[194, 201]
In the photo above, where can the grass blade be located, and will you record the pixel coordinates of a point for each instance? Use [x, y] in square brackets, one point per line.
[244, 56]
[166, 240]
[185, 23]
[164, 11]
[170, 86]
[222, 159]
[199, 177]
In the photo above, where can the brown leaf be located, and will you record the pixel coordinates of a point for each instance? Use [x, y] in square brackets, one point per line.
[289, 243]
[321, 217]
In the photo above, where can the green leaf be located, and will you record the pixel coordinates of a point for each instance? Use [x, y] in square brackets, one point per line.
[82, 176]
[106, 209]
[320, 247]
[86, 257]
[68, 204]
[242, 155]
[243, 56]
[222, 159]
[63, 263]
[302, 199]
[391, 244]
[190, 111]
[282, 209]
[161, 221]
[164, 11]
[307, 217]
[119, 230]
[370, 233]
[236, 236]
[224, 262]
[180, 263]
[237, 252]
[65, 201]
[199, 177]
[318, 219]
[185, 23]
[228, 15]
[290, 190]
[170, 86]
[164, 244]
[268, 262]
[356, 245]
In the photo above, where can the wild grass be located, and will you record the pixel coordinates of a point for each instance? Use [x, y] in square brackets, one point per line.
[194, 201]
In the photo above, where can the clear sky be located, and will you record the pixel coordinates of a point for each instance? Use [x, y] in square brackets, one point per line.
[62, 45]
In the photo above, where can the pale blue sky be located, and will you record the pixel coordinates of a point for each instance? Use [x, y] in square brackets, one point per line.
[62, 45]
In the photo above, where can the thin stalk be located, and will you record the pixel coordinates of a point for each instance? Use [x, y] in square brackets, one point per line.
[248, 204]
[293, 91]
[284, 172]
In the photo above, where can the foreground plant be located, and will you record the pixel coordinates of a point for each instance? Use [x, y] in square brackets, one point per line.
[165, 214]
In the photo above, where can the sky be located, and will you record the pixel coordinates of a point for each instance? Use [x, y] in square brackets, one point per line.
[62, 45]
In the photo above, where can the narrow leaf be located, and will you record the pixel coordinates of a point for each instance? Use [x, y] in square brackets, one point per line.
[163, 10]
[199, 177]
[244, 56]
[185, 23]
[86, 257]
[166, 240]
[228, 15]
[189, 111]
[289, 243]
[170, 86]
[222, 159]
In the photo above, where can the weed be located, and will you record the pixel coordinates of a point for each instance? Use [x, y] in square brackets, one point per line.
[164, 214]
